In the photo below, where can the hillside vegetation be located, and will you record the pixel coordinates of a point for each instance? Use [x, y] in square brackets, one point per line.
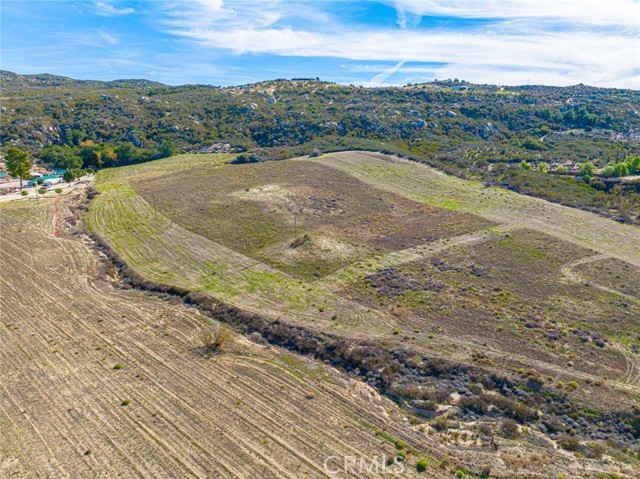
[531, 139]
[490, 304]
[443, 278]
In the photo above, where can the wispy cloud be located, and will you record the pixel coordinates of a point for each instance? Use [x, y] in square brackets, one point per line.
[555, 42]
[108, 38]
[593, 12]
[507, 42]
[108, 10]
[401, 16]
[382, 77]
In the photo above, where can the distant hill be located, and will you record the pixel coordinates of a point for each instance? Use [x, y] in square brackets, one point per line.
[466, 129]
[14, 81]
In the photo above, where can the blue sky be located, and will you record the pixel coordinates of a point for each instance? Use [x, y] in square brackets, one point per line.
[385, 42]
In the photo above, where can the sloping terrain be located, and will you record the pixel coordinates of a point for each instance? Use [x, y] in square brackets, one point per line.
[497, 292]
[259, 210]
[531, 139]
[101, 382]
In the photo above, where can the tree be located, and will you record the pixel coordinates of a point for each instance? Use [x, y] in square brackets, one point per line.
[621, 169]
[542, 167]
[71, 175]
[633, 162]
[61, 157]
[97, 154]
[608, 171]
[18, 164]
[128, 154]
[166, 149]
[73, 137]
[587, 170]
[525, 165]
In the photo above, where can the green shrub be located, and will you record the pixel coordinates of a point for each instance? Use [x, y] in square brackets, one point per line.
[42, 191]
[58, 190]
[117, 366]
[422, 464]
[509, 428]
[24, 192]
[569, 443]
[126, 402]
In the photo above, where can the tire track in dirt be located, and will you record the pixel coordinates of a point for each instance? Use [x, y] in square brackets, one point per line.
[183, 420]
[568, 270]
[631, 375]
[345, 276]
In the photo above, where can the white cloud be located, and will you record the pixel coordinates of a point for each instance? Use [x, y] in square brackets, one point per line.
[510, 50]
[593, 12]
[108, 38]
[203, 14]
[108, 10]
[402, 17]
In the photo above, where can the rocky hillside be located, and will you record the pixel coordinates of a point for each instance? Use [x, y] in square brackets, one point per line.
[509, 136]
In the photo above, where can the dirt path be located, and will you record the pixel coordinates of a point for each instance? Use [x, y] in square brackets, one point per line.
[425, 184]
[572, 275]
[345, 276]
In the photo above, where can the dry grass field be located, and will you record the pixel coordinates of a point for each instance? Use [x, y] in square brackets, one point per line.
[369, 248]
[99, 381]
[102, 382]
[227, 230]
[259, 210]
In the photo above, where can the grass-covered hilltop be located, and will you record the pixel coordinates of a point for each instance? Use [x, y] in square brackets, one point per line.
[577, 145]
